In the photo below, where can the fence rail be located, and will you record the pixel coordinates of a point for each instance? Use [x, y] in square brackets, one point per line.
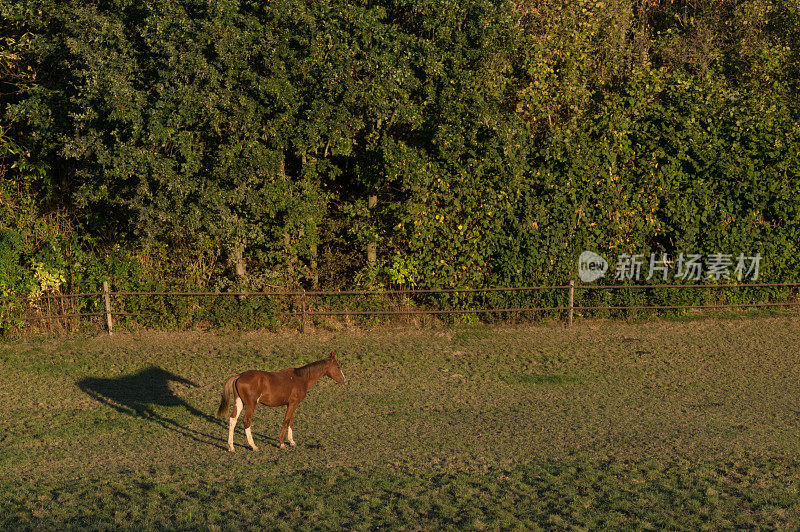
[298, 302]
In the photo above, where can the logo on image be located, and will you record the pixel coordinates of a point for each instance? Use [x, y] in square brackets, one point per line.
[591, 266]
[685, 267]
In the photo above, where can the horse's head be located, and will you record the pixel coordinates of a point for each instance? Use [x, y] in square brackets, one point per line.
[334, 371]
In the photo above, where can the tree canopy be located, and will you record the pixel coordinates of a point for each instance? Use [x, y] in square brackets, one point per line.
[499, 139]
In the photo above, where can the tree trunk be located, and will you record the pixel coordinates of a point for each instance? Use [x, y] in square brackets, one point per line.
[238, 259]
[372, 247]
[239, 264]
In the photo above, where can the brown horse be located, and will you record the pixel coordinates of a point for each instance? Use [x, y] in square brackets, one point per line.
[279, 388]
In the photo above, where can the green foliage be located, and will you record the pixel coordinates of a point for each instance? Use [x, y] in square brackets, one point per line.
[14, 278]
[501, 139]
[403, 271]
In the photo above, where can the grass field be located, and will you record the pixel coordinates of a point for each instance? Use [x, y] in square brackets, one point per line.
[649, 425]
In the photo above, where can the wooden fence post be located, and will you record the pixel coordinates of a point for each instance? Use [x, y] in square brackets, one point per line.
[107, 298]
[303, 311]
[570, 305]
[49, 313]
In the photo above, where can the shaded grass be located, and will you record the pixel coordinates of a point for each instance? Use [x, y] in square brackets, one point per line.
[573, 493]
[676, 425]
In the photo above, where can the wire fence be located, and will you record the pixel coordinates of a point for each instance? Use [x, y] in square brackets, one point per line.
[301, 308]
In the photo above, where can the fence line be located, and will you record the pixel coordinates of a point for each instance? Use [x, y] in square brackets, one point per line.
[430, 291]
[669, 307]
[427, 311]
[107, 296]
[705, 285]
[204, 294]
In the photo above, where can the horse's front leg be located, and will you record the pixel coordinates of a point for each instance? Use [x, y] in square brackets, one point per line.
[287, 421]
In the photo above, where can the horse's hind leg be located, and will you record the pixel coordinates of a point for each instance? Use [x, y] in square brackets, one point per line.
[237, 409]
[248, 418]
[289, 434]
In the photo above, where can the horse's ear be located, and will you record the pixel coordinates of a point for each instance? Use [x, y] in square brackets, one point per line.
[331, 357]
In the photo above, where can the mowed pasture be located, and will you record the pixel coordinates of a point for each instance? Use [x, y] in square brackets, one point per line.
[646, 425]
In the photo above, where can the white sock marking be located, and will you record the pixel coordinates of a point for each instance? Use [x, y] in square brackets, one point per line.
[234, 417]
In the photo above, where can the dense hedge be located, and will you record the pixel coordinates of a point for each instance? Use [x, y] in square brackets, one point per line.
[169, 144]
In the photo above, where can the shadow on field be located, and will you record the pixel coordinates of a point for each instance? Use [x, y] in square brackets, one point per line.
[138, 393]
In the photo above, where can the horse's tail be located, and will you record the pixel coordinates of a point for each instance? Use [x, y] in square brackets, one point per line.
[226, 396]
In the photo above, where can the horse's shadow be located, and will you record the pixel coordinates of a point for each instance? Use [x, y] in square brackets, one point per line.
[139, 395]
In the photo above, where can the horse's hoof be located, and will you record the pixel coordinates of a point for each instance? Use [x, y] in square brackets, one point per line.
[254, 448]
[231, 449]
[282, 446]
[292, 443]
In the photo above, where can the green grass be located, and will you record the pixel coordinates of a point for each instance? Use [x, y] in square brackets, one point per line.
[648, 425]
[650, 494]
[547, 378]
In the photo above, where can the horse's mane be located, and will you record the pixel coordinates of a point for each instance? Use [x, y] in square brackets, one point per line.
[305, 371]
